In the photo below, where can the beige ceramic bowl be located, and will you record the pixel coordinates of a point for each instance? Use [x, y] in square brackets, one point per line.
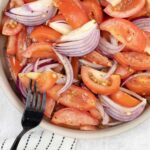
[12, 97]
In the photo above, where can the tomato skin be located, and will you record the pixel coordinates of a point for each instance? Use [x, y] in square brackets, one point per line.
[28, 1]
[93, 9]
[73, 118]
[39, 50]
[99, 88]
[125, 32]
[125, 9]
[88, 128]
[50, 104]
[15, 66]
[135, 60]
[124, 72]
[12, 45]
[11, 27]
[44, 34]
[96, 57]
[139, 85]
[124, 99]
[74, 97]
[77, 15]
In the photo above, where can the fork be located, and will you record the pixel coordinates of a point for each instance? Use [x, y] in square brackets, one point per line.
[33, 114]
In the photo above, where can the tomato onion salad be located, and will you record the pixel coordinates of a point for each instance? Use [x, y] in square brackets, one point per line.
[91, 58]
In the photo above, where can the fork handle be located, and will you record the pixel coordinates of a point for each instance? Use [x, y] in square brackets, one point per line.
[18, 138]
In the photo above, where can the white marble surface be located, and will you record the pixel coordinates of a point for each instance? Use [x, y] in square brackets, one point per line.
[135, 139]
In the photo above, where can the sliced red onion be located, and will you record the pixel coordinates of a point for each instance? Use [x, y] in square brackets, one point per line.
[121, 113]
[60, 26]
[35, 68]
[47, 67]
[143, 23]
[87, 63]
[79, 42]
[68, 70]
[134, 76]
[114, 2]
[111, 70]
[34, 13]
[110, 48]
[105, 117]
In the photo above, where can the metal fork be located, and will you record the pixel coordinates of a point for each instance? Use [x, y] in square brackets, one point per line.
[33, 114]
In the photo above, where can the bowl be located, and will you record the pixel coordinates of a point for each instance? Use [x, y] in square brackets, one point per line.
[8, 87]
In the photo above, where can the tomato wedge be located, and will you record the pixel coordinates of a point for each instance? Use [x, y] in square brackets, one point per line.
[44, 80]
[12, 45]
[124, 99]
[93, 9]
[135, 60]
[11, 27]
[124, 71]
[73, 117]
[21, 44]
[40, 50]
[74, 97]
[95, 113]
[139, 85]
[125, 9]
[73, 11]
[50, 104]
[97, 58]
[15, 66]
[93, 79]
[16, 3]
[125, 32]
[44, 34]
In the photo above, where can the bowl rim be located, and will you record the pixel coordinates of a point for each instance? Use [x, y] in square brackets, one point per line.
[12, 97]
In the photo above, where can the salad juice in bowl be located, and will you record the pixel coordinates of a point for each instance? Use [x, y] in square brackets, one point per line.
[91, 57]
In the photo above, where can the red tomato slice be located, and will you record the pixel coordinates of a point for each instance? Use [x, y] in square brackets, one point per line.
[44, 34]
[88, 128]
[14, 66]
[73, 117]
[28, 1]
[74, 97]
[40, 50]
[21, 44]
[16, 3]
[93, 79]
[44, 80]
[139, 85]
[124, 71]
[124, 99]
[135, 60]
[57, 17]
[125, 32]
[125, 9]
[11, 27]
[73, 11]
[97, 58]
[147, 48]
[75, 66]
[95, 113]
[93, 9]
[12, 45]
[50, 104]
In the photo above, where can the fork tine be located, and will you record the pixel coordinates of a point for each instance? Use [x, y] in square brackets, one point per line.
[29, 95]
[34, 96]
[43, 102]
[38, 101]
